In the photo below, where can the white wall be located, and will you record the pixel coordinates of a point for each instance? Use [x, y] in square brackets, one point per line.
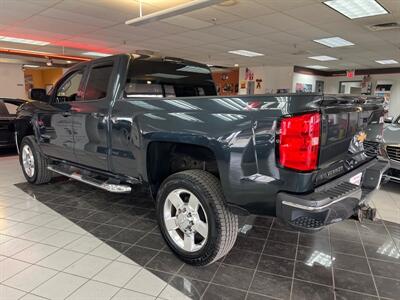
[273, 78]
[12, 83]
[306, 79]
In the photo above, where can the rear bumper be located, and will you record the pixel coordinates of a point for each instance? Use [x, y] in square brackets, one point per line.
[333, 202]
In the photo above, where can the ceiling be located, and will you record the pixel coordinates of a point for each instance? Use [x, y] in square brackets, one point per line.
[283, 30]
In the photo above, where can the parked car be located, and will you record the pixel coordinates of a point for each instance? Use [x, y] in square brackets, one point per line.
[8, 111]
[124, 120]
[391, 146]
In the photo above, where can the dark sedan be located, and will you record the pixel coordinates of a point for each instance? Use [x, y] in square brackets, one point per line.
[8, 110]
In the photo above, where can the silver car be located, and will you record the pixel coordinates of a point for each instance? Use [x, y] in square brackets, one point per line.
[391, 145]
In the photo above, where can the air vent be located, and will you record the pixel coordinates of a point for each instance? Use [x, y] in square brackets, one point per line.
[384, 26]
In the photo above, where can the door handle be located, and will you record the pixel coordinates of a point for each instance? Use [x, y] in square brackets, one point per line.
[66, 114]
[97, 115]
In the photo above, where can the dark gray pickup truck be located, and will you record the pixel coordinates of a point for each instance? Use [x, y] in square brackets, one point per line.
[130, 119]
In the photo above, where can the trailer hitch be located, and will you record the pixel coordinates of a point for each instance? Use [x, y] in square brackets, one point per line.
[366, 212]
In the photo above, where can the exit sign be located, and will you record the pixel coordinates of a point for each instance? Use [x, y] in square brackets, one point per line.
[350, 73]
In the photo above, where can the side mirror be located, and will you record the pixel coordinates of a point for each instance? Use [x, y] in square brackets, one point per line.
[389, 120]
[38, 94]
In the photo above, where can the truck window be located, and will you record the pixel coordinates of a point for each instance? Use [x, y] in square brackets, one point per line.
[98, 81]
[168, 78]
[69, 90]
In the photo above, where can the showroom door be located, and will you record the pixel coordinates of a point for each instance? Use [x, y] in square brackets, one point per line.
[90, 115]
[55, 122]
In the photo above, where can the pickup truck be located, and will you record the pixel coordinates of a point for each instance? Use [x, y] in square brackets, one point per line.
[134, 119]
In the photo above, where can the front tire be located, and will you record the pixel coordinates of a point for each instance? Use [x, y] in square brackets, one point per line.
[194, 219]
[33, 163]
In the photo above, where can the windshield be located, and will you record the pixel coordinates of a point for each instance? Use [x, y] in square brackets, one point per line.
[168, 78]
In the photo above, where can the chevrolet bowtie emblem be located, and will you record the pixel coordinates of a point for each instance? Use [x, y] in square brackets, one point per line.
[361, 137]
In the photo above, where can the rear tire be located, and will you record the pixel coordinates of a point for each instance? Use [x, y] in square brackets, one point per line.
[33, 163]
[213, 227]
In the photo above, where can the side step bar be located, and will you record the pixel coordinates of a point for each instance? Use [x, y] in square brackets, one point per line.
[105, 185]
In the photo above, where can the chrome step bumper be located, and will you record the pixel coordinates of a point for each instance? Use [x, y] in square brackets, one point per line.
[105, 185]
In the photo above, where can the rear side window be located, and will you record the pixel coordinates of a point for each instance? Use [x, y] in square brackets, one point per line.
[98, 81]
[168, 78]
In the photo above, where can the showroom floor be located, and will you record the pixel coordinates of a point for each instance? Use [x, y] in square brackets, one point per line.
[66, 240]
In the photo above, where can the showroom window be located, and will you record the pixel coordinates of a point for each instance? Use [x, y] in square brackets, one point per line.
[69, 89]
[97, 85]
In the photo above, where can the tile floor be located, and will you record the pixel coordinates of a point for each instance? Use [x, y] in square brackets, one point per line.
[66, 240]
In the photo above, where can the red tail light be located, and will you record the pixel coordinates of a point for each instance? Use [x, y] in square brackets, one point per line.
[299, 142]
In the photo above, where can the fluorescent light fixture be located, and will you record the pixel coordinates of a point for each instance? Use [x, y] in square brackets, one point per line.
[323, 58]
[334, 42]
[354, 9]
[22, 41]
[387, 62]
[99, 54]
[172, 12]
[317, 67]
[246, 53]
[31, 66]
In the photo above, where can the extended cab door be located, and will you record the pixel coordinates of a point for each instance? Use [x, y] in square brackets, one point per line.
[90, 115]
[55, 120]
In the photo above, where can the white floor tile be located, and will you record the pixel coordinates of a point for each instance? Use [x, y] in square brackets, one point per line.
[23, 215]
[5, 238]
[85, 244]
[30, 278]
[9, 293]
[105, 251]
[41, 220]
[32, 297]
[93, 290]
[14, 246]
[60, 259]
[87, 266]
[5, 223]
[38, 234]
[126, 260]
[147, 283]
[35, 253]
[60, 223]
[124, 294]
[61, 238]
[18, 229]
[9, 267]
[59, 287]
[117, 273]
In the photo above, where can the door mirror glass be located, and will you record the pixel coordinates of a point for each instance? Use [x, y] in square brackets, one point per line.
[38, 94]
[389, 120]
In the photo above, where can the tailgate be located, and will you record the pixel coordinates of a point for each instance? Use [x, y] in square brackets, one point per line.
[348, 124]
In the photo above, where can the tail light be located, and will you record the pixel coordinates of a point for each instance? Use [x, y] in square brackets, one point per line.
[299, 142]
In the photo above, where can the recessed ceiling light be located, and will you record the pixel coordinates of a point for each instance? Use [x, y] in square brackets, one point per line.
[246, 53]
[387, 62]
[31, 66]
[69, 62]
[318, 67]
[99, 54]
[22, 41]
[354, 9]
[334, 42]
[323, 58]
[236, 65]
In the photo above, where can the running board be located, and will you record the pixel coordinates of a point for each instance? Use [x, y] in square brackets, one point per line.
[110, 187]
